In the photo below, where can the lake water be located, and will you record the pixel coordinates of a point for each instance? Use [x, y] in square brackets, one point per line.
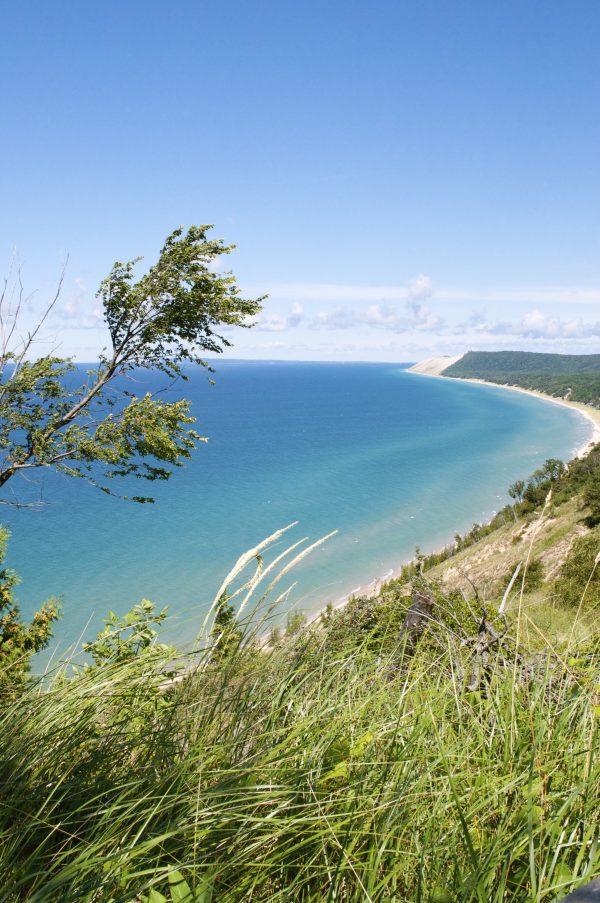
[388, 458]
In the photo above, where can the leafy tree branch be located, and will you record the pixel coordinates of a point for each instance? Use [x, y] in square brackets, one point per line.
[170, 316]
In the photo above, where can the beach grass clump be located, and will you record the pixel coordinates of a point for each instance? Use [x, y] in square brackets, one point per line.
[310, 770]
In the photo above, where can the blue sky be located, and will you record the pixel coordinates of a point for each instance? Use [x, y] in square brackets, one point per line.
[403, 178]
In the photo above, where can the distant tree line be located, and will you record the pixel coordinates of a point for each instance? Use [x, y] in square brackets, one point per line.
[572, 376]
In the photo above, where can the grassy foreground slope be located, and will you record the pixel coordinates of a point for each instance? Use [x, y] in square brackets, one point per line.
[416, 746]
[572, 376]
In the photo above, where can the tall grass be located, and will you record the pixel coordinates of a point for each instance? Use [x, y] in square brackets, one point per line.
[304, 771]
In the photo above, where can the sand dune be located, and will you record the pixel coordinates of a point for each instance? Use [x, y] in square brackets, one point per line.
[434, 366]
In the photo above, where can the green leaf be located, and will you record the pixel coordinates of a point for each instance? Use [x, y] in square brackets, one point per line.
[204, 894]
[180, 889]
[154, 896]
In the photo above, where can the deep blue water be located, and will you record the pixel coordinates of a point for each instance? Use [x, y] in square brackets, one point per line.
[388, 458]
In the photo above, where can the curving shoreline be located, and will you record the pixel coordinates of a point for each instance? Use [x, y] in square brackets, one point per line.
[592, 415]
[436, 366]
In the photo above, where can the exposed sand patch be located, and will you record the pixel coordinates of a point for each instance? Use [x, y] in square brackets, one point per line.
[434, 366]
[553, 558]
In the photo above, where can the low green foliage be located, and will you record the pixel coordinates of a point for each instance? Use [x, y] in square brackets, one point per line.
[591, 498]
[530, 578]
[294, 623]
[226, 635]
[366, 623]
[125, 638]
[329, 765]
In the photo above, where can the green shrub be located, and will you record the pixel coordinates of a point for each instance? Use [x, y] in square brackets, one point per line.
[371, 623]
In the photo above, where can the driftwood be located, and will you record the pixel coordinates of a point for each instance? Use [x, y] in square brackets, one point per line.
[486, 641]
[416, 619]
[484, 648]
[487, 649]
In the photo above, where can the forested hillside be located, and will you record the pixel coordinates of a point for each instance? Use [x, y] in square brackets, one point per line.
[574, 376]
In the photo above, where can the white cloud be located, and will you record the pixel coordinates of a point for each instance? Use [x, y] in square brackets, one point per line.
[273, 322]
[413, 315]
[420, 288]
[535, 324]
[338, 318]
[79, 309]
[296, 316]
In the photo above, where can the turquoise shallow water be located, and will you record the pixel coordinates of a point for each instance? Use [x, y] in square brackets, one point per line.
[388, 458]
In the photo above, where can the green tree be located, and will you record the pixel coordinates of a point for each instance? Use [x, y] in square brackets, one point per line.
[550, 471]
[516, 490]
[553, 469]
[169, 316]
[19, 640]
